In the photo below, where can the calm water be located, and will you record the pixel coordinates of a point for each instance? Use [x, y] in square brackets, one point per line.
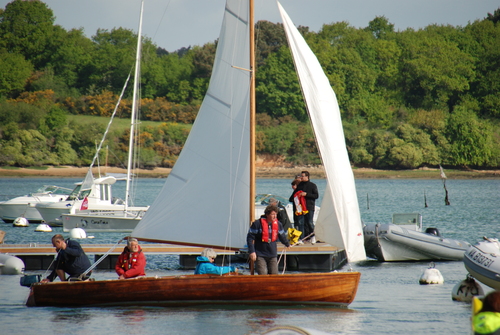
[389, 299]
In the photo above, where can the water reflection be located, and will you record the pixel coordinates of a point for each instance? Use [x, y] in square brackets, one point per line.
[262, 319]
[72, 316]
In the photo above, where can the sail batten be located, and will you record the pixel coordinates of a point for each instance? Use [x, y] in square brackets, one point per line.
[339, 219]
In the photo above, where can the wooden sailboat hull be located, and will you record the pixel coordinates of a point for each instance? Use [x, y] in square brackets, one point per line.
[334, 288]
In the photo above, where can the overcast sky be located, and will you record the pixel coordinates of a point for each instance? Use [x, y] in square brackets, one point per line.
[173, 24]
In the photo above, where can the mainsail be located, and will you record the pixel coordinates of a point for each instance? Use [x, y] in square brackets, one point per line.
[205, 199]
[339, 220]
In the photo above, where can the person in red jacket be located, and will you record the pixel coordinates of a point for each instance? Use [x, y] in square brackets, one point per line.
[132, 261]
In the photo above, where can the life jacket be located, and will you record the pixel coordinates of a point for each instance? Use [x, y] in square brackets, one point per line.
[129, 259]
[486, 323]
[265, 230]
[300, 203]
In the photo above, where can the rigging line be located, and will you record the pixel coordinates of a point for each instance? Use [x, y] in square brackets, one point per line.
[161, 20]
[111, 119]
[101, 258]
[283, 252]
[53, 260]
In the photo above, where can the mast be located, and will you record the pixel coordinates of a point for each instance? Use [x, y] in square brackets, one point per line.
[252, 111]
[134, 107]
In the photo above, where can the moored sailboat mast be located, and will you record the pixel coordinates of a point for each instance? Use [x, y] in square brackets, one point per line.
[135, 108]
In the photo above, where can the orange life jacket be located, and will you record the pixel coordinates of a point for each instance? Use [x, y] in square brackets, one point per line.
[265, 230]
[300, 203]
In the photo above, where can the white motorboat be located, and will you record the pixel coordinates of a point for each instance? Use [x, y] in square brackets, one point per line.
[98, 196]
[482, 261]
[404, 240]
[117, 220]
[24, 206]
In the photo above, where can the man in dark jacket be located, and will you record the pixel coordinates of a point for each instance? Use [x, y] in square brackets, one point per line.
[71, 259]
[310, 193]
[261, 241]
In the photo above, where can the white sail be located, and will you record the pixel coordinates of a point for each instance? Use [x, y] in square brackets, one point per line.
[339, 220]
[205, 199]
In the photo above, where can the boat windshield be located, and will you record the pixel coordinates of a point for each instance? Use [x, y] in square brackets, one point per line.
[76, 194]
[263, 199]
[52, 189]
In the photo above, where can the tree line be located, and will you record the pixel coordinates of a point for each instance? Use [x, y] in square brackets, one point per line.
[408, 98]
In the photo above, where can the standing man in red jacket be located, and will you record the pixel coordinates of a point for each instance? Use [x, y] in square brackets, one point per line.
[132, 261]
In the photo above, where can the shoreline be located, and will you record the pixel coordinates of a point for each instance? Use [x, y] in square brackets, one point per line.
[261, 172]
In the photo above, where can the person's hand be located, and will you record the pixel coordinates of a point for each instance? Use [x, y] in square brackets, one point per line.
[44, 280]
[121, 277]
[303, 194]
[253, 256]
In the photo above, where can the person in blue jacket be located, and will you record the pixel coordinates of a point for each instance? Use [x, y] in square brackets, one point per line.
[71, 259]
[205, 264]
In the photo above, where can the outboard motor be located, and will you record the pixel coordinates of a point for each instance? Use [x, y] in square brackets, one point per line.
[433, 231]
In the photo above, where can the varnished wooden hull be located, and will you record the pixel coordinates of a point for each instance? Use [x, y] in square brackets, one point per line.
[334, 288]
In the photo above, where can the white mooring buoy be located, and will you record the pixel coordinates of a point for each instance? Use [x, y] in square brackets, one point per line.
[21, 222]
[466, 290]
[77, 233]
[43, 227]
[431, 275]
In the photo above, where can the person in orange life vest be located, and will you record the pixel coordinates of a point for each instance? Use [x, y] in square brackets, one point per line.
[132, 261]
[310, 193]
[261, 241]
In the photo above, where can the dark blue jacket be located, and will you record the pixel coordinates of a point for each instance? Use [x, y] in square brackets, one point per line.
[72, 260]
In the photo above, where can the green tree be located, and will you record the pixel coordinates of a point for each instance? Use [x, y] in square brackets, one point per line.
[495, 17]
[380, 27]
[486, 52]
[112, 61]
[14, 73]
[269, 38]
[26, 27]
[434, 71]
[472, 142]
[72, 58]
[277, 91]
